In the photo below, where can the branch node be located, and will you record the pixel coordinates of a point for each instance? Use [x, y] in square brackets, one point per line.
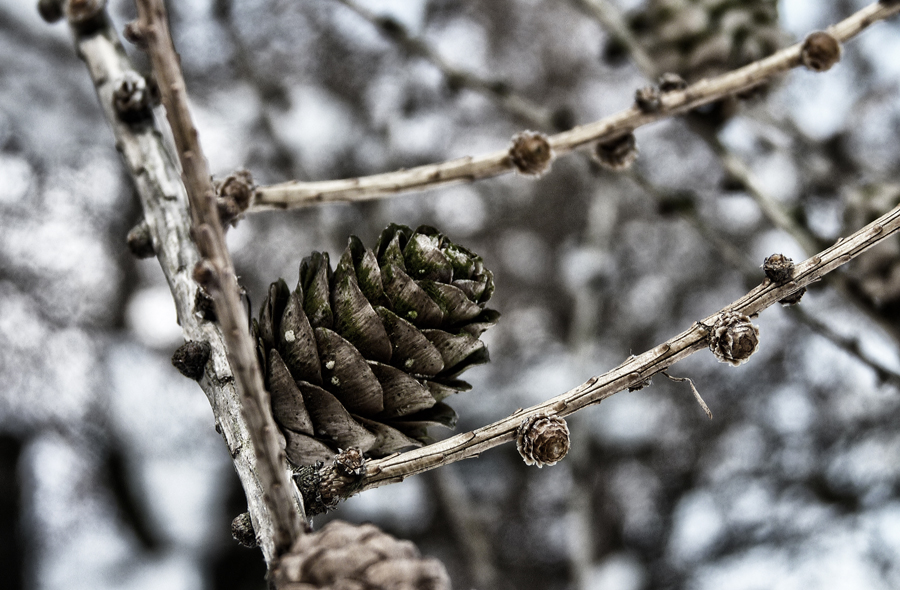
[820, 51]
[233, 196]
[779, 268]
[793, 298]
[323, 488]
[670, 82]
[135, 35]
[733, 338]
[648, 99]
[190, 359]
[204, 307]
[542, 440]
[617, 154]
[131, 98]
[50, 10]
[86, 16]
[140, 241]
[206, 275]
[531, 153]
[242, 531]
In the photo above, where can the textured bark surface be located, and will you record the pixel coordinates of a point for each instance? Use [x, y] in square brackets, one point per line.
[166, 212]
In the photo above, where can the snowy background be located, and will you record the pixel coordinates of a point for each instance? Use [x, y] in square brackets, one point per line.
[111, 472]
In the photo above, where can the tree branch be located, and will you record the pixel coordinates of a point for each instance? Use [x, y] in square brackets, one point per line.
[216, 273]
[467, 169]
[166, 211]
[633, 371]
[165, 206]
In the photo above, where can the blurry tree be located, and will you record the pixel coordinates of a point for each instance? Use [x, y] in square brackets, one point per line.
[122, 479]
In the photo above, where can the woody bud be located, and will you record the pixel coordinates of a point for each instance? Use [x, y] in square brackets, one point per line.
[820, 51]
[617, 154]
[531, 153]
[542, 440]
[733, 338]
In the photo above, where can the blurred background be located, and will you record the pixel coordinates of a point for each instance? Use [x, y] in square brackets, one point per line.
[111, 472]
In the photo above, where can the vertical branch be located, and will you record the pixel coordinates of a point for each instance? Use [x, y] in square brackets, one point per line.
[215, 272]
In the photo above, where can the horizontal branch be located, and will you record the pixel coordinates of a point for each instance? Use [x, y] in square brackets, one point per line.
[635, 370]
[467, 169]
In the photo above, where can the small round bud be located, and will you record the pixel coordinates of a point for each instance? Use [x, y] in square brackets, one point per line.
[205, 274]
[140, 241]
[131, 98]
[50, 10]
[641, 384]
[779, 268]
[542, 440]
[733, 338]
[531, 153]
[242, 530]
[204, 308]
[617, 154]
[134, 34]
[190, 359]
[820, 51]
[233, 196]
[669, 82]
[647, 99]
[794, 298]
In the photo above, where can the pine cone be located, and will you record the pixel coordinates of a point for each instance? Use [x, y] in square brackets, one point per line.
[343, 556]
[362, 356]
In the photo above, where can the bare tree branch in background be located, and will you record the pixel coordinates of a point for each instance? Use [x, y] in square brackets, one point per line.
[468, 169]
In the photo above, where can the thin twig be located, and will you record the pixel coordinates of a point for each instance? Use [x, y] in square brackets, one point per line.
[217, 274]
[849, 345]
[467, 169]
[694, 390]
[612, 21]
[634, 370]
[517, 105]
